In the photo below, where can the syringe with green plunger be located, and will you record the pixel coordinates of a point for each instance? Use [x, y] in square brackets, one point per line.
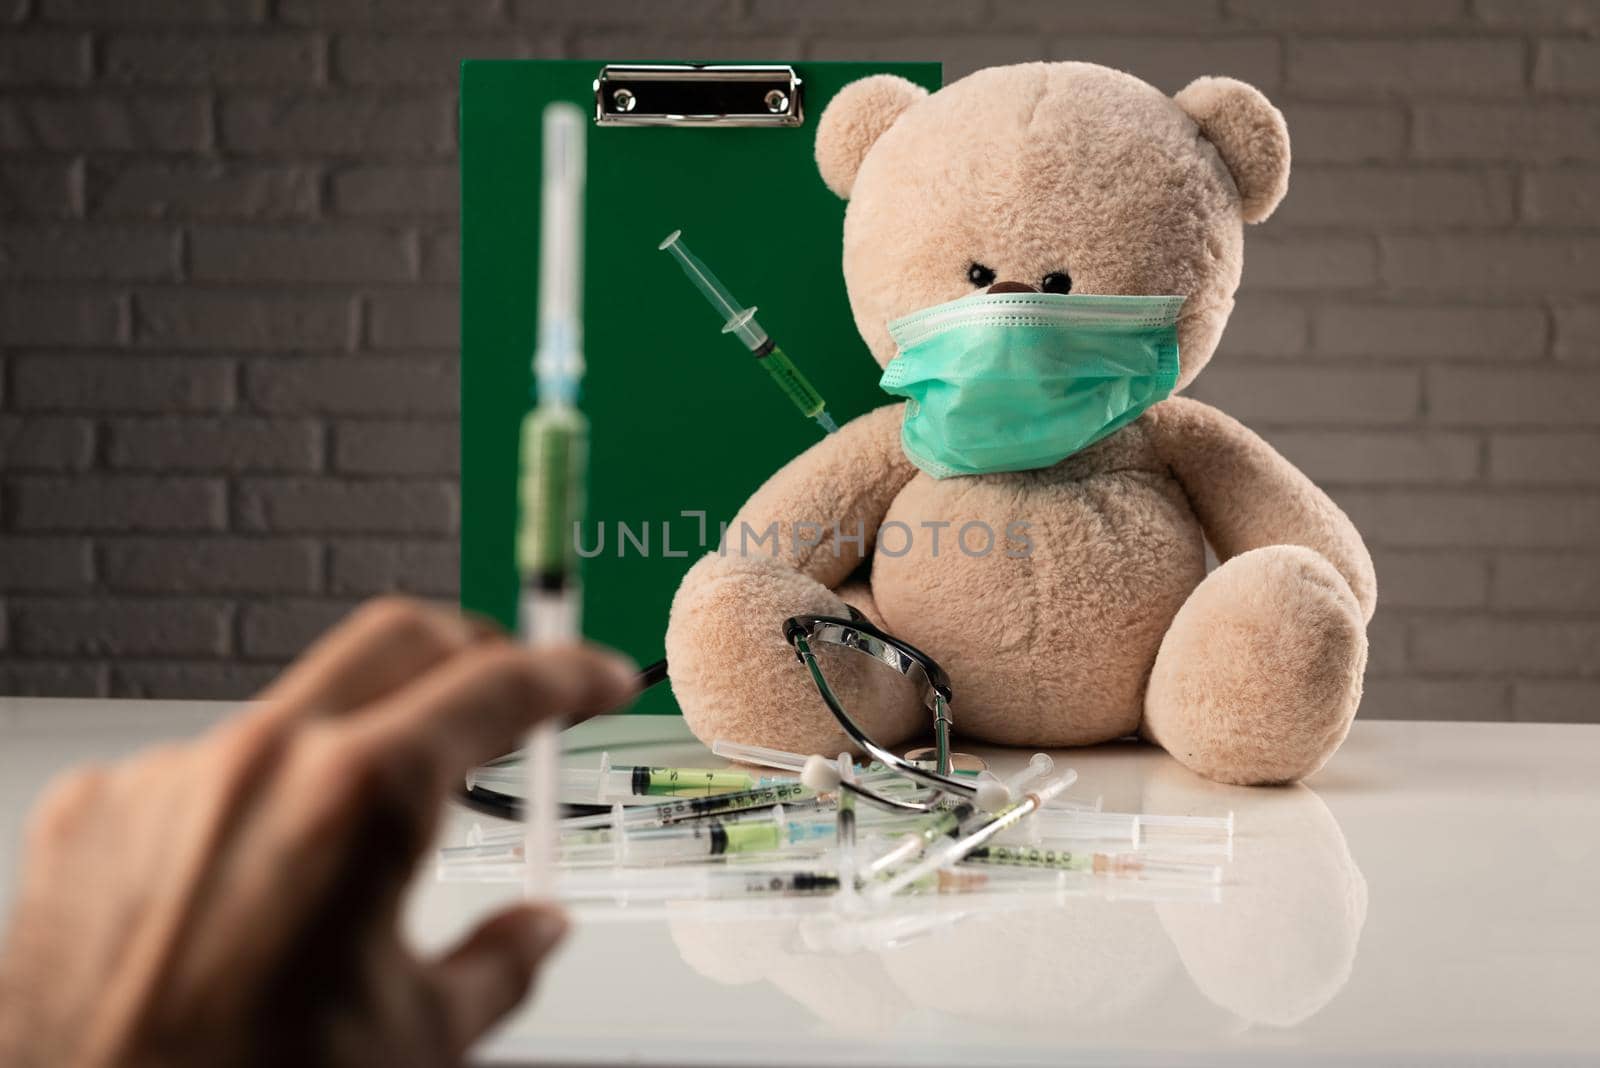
[742, 322]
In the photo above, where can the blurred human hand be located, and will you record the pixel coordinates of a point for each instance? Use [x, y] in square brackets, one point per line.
[235, 899]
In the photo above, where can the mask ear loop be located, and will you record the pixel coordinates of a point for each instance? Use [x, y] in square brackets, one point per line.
[797, 632]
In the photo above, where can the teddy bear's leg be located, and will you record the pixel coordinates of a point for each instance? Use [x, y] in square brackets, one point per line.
[1259, 675]
[858, 595]
[736, 678]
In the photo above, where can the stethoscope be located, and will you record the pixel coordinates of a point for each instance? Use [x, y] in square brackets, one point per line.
[854, 633]
[487, 802]
[857, 634]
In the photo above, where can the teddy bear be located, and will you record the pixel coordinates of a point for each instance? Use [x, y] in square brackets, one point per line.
[1081, 610]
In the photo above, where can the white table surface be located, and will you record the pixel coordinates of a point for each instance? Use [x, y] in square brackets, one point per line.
[1432, 895]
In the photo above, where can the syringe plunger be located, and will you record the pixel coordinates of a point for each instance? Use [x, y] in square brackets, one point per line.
[736, 318]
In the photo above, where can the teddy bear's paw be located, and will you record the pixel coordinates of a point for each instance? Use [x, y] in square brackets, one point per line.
[1259, 675]
[736, 678]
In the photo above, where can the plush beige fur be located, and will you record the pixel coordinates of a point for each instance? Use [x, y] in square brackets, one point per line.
[845, 133]
[1108, 624]
[1248, 134]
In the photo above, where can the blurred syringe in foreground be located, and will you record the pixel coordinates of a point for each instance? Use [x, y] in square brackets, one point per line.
[553, 468]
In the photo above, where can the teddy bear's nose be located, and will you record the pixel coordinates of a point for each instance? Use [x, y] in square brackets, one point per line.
[1012, 287]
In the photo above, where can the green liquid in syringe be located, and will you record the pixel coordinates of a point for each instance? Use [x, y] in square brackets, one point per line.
[790, 380]
[682, 782]
[1032, 857]
[554, 441]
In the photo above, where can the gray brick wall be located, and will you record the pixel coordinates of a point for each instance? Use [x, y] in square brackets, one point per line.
[227, 306]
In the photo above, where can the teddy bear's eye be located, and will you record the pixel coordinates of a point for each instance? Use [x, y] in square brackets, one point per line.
[979, 275]
[1056, 282]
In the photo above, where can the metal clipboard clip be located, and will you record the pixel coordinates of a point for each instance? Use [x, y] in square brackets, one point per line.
[697, 95]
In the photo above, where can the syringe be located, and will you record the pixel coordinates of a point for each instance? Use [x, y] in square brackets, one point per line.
[742, 322]
[698, 884]
[785, 792]
[950, 820]
[1209, 834]
[1038, 885]
[638, 885]
[553, 465]
[781, 759]
[1125, 865]
[619, 782]
[677, 843]
[845, 825]
[791, 795]
[952, 851]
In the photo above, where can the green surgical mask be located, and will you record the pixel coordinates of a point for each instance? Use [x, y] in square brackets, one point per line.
[1016, 381]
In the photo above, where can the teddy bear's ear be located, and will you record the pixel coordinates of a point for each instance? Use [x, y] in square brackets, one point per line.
[1250, 136]
[854, 119]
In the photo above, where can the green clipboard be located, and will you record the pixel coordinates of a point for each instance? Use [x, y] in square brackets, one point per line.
[682, 418]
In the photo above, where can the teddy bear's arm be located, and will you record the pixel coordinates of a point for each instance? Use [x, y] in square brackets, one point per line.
[1247, 496]
[820, 512]
[787, 553]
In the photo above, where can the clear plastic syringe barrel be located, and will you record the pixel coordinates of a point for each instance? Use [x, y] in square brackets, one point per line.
[781, 759]
[948, 822]
[789, 794]
[643, 884]
[715, 292]
[805, 809]
[717, 839]
[620, 784]
[658, 845]
[578, 849]
[1188, 833]
[558, 352]
[1079, 825]
[1155, 827]
[911, 844]
[760, 755]
[794, 795]
[1121, 865]
[638, 885]
[949, 853]
[694, 883]
[1003, 879]
[608, 783]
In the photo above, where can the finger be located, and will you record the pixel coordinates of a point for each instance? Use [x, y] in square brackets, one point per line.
[354, 801]
[380, 647]
[479, 704]
[491, 971]
[66, 801]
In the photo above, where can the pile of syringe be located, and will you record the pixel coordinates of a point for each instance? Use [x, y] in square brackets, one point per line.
[676, 834]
